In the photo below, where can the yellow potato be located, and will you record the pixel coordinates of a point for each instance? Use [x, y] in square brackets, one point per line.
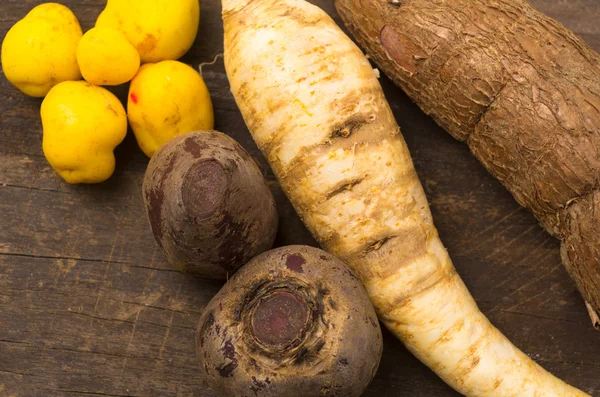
[82, 126]
[159, 29]
[105, 57]
[38, 52]
[167, 99]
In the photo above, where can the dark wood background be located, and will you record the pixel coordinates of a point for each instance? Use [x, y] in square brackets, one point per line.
[89, 306]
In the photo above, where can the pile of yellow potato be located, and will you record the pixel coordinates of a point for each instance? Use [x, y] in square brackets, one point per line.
[46, 55]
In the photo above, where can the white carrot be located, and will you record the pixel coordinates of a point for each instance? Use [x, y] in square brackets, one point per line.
[316, 110]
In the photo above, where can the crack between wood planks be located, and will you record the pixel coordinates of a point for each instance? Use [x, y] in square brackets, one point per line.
[4, 371]
[153, 358]
[62, 313]
[111, 261]
[89, 393]
[15, 342]
[152, 268]
[41, 156]
[40, 189]
[541, 317]
[69, 258]
[585, 363]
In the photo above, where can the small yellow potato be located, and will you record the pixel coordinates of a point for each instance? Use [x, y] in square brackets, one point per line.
[38, 52]
[167, 99]
[159, 29]
[105, 57]
[82, 126]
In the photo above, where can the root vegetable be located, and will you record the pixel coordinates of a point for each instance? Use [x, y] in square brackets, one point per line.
[83, 124]
[159, 29]
[294, 321]
[315, 108]
[105, 57]
[38, 52]
[209, 206]
[520, 89]
[167, 99]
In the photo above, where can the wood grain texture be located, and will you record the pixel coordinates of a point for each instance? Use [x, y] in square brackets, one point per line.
[88, 305]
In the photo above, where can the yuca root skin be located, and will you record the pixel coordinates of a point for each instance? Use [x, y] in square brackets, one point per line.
[315, 108]
[208, 204]
[519, 88]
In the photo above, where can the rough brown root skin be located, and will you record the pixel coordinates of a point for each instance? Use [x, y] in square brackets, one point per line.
[594, 315]
[581, 241]
[294, 321]
[209, 206]
[526, 100]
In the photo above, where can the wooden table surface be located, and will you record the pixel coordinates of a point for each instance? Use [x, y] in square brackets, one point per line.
[89, 306]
